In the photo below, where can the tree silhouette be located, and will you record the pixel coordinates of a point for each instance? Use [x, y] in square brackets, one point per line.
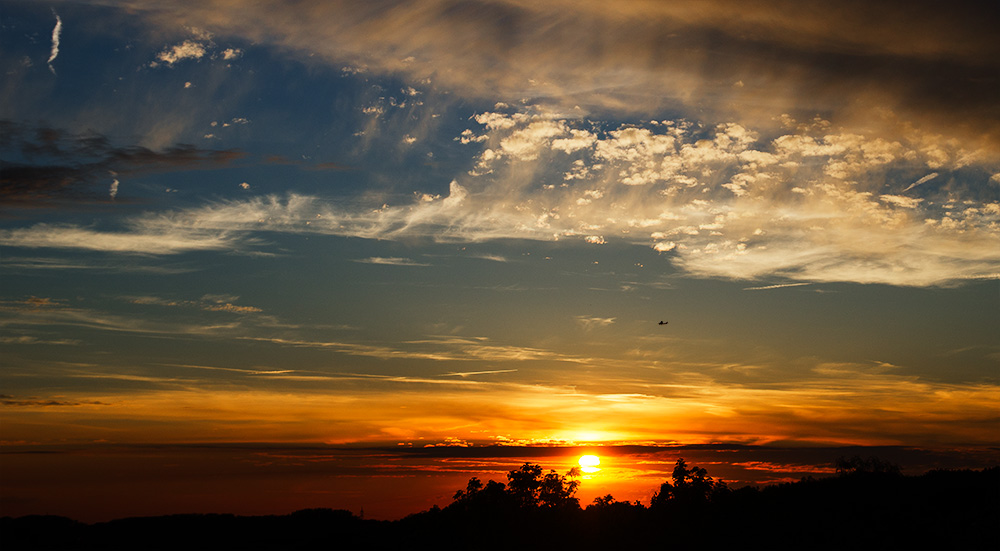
[603, 501]
[557, 491]
[867, 506]
[523, 484]
[470, 491]
[690, 487]
[530, 488]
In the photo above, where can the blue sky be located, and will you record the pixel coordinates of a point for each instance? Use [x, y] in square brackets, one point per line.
[432, 221]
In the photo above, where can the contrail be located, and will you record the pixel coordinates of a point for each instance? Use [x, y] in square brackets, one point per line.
[781, 286]
[468, 373]
[923, 180]
[56, 31]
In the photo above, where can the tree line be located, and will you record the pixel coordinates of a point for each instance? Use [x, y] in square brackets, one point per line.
[869, 504]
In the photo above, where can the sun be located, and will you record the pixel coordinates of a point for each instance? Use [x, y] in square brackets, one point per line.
[589, 463]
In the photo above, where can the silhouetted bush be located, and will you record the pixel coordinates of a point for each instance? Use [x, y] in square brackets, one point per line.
[870, 505]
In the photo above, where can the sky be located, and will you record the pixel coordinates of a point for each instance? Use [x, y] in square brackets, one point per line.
[257, 233]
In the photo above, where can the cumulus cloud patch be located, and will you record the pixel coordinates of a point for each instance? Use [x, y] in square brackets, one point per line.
[189, 49]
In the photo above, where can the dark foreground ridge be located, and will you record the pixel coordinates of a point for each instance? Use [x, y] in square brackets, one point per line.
[869, 505]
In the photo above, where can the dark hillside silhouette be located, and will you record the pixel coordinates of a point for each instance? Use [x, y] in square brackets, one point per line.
[868, 505]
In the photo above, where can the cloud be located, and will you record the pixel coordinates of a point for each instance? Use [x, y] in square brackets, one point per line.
[27, 339]
[491, 257]
[779, 286]
[835, 406]
[391, 261]
[813, 203]
[138, 241]
[208, 303]
[12, 401]
[56, 33]
[64, 166]
[923, 180]
[438, 348]
[11, 263]
[590, 322]
[900, 65]
[471, 373]
[189, 49]
[722, 201]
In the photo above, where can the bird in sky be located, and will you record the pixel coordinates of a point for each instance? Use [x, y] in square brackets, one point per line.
[663, 323]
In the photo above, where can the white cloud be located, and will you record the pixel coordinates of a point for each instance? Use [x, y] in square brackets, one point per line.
[189, 49]
[56, 34]
[524, 144]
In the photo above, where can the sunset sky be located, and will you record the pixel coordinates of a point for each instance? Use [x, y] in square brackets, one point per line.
[313, 226]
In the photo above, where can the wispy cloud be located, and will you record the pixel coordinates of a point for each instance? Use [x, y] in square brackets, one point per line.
[35, 402]
[591, 322]
[208, 303]
[63, 167]
[923, 180]
[28, 339]
[836, 406]
[442, 348]
[491, 257]
[649, 56]
[174, 241]
[56, 34]
[472, 373]
[778, 286]
[21, 263]
[391, 261]
[53, 314]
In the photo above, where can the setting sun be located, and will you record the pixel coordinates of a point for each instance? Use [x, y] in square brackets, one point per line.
[589, 463]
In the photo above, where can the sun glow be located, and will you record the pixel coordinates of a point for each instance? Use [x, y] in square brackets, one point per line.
[589, 463]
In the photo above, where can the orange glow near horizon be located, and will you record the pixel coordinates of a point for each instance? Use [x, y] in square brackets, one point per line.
[526, 415]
